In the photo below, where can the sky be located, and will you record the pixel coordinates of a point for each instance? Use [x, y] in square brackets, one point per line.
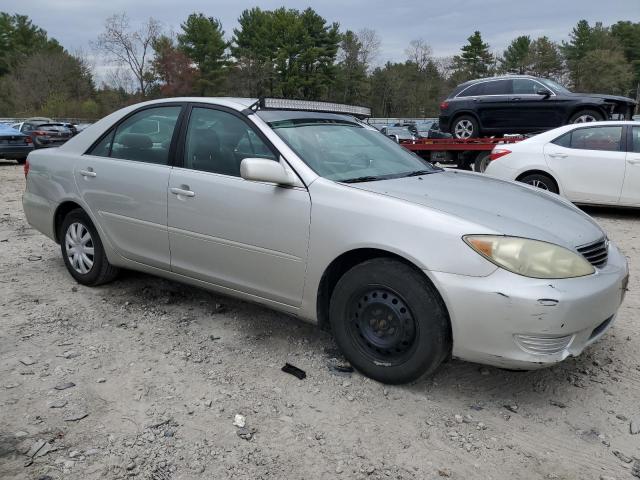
[444, 25]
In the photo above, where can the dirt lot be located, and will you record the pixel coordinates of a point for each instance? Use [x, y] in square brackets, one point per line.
[161, 369]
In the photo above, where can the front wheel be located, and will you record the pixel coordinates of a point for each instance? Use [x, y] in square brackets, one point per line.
[389, 321]
[82, 250]
[541, 181]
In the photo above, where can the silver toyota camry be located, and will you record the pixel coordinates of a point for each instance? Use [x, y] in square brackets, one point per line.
[304, 208]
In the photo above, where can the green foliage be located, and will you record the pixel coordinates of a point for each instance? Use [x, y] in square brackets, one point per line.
[517, 57]
[475, 61]
[202, 40]
[19, 38]
[285, 52]
[628, 36]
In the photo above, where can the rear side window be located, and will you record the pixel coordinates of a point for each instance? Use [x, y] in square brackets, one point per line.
[563, 140]
[497, 87]
[472, 91]
[635, 139]
[143, 137]
[597, 138]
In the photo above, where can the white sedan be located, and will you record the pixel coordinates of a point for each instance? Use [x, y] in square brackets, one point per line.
[596, 163]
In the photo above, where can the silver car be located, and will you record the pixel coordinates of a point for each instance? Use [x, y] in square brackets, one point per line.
[321, 216]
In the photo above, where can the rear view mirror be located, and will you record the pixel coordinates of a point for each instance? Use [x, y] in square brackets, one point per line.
[264, 170]
[544, 92]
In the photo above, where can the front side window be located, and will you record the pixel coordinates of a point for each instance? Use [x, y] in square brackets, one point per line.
[597, 138]
[143, 137]
[218, 141]
[348, 152]
[524, 86]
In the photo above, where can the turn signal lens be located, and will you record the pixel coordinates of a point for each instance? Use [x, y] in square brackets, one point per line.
[530, 258]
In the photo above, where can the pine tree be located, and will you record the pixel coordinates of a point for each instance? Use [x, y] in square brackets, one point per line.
[475, 61]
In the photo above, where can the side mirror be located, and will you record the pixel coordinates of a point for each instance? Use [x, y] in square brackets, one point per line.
[264, 170]
[394, 137]
[544, 92]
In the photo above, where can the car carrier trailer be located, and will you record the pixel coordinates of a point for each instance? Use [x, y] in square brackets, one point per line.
[465, 153]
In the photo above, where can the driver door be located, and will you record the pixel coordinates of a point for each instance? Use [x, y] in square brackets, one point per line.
[247, 236]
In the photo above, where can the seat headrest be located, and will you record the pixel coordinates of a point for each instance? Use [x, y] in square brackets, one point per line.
[136, 140]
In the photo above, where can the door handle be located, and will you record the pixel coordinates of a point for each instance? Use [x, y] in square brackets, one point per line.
[634, 161]
[558, 155]
[185, 192]
[516, 98]
[88, 173]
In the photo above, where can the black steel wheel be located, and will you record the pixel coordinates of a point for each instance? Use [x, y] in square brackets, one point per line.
[389, 321]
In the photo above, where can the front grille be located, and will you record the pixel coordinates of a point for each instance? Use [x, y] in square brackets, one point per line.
[543, 344]
[596, 253]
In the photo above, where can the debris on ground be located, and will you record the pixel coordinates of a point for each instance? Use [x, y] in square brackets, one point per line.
[295, 371]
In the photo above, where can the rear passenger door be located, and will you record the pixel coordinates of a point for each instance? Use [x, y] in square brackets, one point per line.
[631, 188]
[589, 163]
[493, 104]
[123, 180]
[246, 236]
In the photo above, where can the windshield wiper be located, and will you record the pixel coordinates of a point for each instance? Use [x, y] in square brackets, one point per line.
[368, 178]
[417, 173]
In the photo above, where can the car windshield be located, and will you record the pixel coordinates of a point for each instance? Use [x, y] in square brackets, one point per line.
[555, 86]
[345, 151]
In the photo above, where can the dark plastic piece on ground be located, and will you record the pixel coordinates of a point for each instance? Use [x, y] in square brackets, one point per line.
[295, 371]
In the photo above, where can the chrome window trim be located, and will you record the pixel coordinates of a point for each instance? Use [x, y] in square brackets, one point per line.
[553, 94]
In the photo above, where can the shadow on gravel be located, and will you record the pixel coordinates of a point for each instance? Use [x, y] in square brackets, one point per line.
[613, 212]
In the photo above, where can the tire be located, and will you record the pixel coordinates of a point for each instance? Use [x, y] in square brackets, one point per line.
[482, 162]
[21, 161]
[465, 126]
[92, 269]
[389, 321]
[540, 180]
[585, 116]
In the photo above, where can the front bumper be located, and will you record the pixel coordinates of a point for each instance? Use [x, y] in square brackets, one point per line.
[511, 321]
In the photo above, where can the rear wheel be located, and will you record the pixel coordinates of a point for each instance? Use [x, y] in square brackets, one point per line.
[482, 162]
[586, 116]
[82, 250]
[541, 181]
[465, 126]
[389, 321]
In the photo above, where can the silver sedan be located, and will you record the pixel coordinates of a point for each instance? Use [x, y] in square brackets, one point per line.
[319, 215]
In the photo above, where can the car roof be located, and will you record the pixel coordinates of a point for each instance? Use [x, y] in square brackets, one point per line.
[499, 77]
[556, 132]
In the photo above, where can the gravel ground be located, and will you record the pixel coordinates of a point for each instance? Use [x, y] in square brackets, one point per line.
[144, 378]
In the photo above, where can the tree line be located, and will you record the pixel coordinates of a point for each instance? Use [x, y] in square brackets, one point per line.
[288, 53]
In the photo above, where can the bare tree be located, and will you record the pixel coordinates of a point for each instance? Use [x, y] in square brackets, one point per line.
[370, 46]
[130, 48]
[420, 53]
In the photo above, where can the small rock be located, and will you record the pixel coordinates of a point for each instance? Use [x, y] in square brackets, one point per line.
[444, 472]
[58, 403]
[74, 417]
[69, 354]
[27, 361]
[458, 418]
[558, 403]
[64, 386]
[245, 433]
[92, 451]
[622, 456]
[339, 469]
[208, 403]
[101, 380]
[239, 421]
[634, 426]
[131, 466]
[351, 398]
[512, 408]
[74, 454]
[621, 417]
[11, 385]
[168, 433]
[370, 470]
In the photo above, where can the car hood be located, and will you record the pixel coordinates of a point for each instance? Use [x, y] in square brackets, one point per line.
[504, 207]
[606, 98]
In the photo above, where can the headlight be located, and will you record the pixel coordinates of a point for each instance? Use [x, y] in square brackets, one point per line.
[530, 258]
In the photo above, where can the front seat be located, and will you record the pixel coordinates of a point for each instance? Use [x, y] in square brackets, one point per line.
[206, 154]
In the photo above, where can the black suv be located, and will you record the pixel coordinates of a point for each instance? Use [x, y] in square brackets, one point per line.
[523, 104]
